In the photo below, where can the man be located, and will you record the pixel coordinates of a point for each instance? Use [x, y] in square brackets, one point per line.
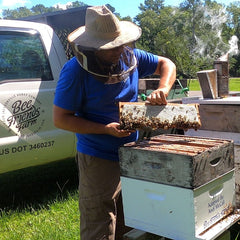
[104, 72]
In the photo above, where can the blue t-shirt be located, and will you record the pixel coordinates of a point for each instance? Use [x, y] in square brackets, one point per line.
[78, 91]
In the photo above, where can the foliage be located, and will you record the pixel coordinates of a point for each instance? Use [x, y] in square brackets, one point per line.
[35, 10]
[193, 35]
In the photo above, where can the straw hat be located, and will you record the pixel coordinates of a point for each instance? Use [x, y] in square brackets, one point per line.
[103, 30]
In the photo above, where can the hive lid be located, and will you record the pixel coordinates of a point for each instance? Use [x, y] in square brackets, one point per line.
[180, 144]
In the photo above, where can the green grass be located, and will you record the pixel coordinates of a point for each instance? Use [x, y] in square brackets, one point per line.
[234, 84]
[40, 203]
[58, 220]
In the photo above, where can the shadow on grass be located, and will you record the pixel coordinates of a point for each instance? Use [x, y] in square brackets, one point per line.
[37, 186]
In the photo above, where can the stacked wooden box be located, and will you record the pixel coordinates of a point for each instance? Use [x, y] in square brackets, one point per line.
[220, 119]
[177, 186]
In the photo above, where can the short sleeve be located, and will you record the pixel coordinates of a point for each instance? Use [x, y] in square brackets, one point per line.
[147, 62]
[69, 90]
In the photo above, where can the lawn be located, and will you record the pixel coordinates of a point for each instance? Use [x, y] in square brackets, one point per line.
[40, 203]
[234, 84]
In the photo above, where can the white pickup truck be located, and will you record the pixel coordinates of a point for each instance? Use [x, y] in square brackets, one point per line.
[31, 58]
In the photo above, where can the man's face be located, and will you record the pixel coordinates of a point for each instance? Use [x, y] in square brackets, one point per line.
[110, 56]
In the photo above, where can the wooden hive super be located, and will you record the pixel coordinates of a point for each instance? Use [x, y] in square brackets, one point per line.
[177, 160]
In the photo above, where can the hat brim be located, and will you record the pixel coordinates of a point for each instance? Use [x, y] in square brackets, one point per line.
[129, 32]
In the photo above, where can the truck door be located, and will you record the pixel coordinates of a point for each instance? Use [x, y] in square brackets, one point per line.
[27, 84]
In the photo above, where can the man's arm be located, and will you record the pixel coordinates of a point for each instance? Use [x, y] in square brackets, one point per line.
[67, 120]
[166, 69]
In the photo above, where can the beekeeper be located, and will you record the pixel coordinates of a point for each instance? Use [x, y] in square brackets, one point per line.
[104, 71]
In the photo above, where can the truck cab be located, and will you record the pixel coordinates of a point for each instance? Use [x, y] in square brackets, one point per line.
[31, 58]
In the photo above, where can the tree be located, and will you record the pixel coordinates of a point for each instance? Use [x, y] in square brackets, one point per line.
[76, 4]
[18, 13]
[153, 5]
[233, 29]
[207, 22]
[165, 32]
[40, 9]
[35, 10]
[193, 17]
[148, 23]
[193, 35]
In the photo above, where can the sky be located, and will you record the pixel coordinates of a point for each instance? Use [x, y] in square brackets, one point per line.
[124, 7]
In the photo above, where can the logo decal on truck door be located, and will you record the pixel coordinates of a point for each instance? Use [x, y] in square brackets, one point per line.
[25, 114]
[21, 114]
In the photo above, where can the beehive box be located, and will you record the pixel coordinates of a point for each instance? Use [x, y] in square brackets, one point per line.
[218, 114]
[177, 160]
[175, 212]
[236, 140]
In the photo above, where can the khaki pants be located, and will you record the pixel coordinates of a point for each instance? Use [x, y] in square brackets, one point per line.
[99, 199]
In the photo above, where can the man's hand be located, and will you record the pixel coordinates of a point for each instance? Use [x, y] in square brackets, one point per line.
[166, 69]
[114, 130]
[157, 97]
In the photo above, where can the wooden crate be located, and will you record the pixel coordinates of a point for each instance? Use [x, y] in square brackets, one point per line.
[218, 114]
[220, 117]
[176, 212]
[177, 160]
[235, 137]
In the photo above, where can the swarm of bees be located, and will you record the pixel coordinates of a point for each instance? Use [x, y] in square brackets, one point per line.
[130, 122]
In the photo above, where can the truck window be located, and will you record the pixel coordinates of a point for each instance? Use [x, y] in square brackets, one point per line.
[23, 57]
